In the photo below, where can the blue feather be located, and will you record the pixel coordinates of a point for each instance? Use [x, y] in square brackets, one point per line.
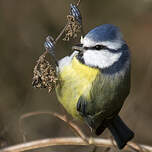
[119, 65]
[106, 32]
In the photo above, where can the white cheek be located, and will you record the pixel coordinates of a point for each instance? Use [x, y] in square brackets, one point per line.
[101, 59]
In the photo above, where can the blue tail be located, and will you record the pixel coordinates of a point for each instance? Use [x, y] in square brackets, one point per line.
[122, 134]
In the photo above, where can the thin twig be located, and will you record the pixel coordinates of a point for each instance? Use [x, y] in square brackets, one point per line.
[138, 147]
[61, 33]
[78, 3]
[68, 141]
[114, 147]
[57, 38]
[72, 125]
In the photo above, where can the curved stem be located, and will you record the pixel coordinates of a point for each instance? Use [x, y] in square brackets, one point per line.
[69, 141]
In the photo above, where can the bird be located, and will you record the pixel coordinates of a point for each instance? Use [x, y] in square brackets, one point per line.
[94, 81]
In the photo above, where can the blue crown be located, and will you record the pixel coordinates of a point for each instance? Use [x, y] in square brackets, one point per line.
[106, 32]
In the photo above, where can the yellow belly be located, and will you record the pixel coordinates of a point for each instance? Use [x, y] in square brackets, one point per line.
[75, 80]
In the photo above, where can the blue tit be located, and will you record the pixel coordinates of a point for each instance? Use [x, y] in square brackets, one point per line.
[95, 81]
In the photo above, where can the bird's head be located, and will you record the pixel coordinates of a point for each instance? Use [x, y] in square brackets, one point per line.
[103, 47]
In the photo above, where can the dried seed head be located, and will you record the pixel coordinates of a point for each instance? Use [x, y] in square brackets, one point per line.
[44, 75]
[74, 23]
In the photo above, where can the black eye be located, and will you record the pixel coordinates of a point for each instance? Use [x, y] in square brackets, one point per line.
[99, 47]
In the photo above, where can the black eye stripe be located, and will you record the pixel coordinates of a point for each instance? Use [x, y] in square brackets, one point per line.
[97, 47]
[87, 48]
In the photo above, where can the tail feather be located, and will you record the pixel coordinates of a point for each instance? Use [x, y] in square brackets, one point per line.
[122, 134]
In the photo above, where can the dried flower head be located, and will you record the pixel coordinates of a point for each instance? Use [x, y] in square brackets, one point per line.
[74, 23]
[44, 75]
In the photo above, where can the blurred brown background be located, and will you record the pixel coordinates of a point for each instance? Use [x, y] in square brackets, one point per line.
[24, 24]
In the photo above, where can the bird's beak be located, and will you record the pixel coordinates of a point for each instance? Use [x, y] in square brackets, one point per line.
[78, 47]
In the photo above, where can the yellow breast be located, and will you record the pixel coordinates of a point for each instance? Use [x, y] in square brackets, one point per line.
[75, 80]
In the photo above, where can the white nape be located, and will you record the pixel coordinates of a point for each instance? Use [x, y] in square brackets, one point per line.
[101, 59]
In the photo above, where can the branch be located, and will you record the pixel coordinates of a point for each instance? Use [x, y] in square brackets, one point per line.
[71, 141]
[70, 124]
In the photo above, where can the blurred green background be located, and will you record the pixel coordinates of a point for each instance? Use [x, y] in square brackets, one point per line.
[24, 24]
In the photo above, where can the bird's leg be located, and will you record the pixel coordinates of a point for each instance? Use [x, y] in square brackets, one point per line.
[81, 108]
